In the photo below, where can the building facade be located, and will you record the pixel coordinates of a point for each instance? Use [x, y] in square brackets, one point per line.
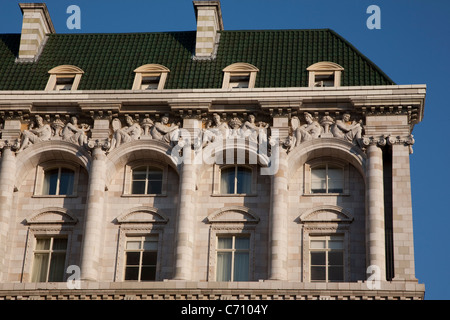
[206, 164]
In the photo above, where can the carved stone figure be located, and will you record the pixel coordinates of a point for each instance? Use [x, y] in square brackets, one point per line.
[252, 131]
[163, 132]
[126, 134]
[33, 135]
[311, 130]
[220, 130]
[350, 131]
[74, 133]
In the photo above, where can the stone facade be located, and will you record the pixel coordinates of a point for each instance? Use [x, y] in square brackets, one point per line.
[191, 135]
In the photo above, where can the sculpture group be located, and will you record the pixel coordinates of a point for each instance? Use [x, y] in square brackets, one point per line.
[214, 129]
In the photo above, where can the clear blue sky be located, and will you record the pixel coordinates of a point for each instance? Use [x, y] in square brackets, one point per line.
[411, 47]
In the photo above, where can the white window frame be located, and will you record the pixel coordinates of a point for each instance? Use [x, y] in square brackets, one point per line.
[239, 69]
[150, 70]
[127, 188]
[325, 68]
[328, 161]
[64, 71]
[50, 252]
[233, 252]
[327, 250]
[141, 250]
[218, 174]
[50, 165]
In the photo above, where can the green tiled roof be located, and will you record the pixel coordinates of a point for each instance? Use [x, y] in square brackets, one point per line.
[108, 60]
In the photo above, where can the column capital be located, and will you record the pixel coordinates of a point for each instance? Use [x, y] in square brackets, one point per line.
[374, 141]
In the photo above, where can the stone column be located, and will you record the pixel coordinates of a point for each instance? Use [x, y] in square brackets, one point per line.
[375, 235]
[185, 224]
[278, 220]
[94, 223]
[7, 179]
[402, 221]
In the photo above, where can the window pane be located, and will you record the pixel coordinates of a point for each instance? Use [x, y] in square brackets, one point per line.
[132, 273]
[133, 245]
[223, 266]
[224, 243]
[148, 273]
[133, 258]
[155, 174]
[318, 173]
[66, 180]
[43, 244]
[50, 182]
[149, 258]
[154, 187]
[335, 273]
[244, 180]
[56, 272]
[318, 258]
[335, 258]
[241, 266]
[151, 245]
[227, 181]
[59, 244]
[242, 243]
[335, 244]
[318, 244]
[138, 187]
[318, 273]
[140, 173]
[40, 265]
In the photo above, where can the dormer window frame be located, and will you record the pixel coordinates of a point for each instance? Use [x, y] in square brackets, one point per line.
[325, 69]
[150, 70]
[64, 72]
[241, 70]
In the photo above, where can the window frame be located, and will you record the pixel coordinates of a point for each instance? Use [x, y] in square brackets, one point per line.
[233, 250]
[150, 70]
[141, 250]
[327, 161]
[325, 68]
[128, 179]
[42, 168]
[326, 250]
[64, 71]
[239, 69]
[50, 252]
[221, 168]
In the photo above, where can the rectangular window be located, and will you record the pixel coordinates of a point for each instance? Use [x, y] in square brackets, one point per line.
[146, 180]
[324, 80]
[64, 83]
[236, 180]
[49, 260]
[140, 258]
[233, 258]
[150, 82]
[59, 181]
[327, 259]
[327, 179]
[239, 81]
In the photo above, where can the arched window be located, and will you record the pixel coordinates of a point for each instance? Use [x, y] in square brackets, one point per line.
[150, 77]
[64, 78]
[327, 178]
[236, 180]
[146, 180]
[58, 181]
[239, 75]
[325, 74]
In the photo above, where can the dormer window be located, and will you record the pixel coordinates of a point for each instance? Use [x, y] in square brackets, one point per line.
[325, 74]
[64, 78]
[239, 75]
[150, 77]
